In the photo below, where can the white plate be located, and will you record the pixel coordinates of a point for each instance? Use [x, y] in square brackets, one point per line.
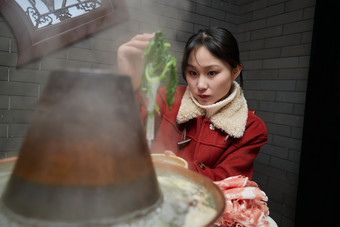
[272, 223]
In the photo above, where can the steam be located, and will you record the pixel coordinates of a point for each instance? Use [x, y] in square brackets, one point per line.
[98, 51]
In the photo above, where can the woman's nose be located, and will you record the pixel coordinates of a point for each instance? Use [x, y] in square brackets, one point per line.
[202, 83]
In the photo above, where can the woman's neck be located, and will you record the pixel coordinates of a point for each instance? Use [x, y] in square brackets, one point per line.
[210, 110]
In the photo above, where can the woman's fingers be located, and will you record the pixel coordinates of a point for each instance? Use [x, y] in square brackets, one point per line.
[169, 153]
[141, 41]
[144, 37]
[129, 56]
[137, 46]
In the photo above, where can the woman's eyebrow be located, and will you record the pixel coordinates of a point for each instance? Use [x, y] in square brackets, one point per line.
[207, 66]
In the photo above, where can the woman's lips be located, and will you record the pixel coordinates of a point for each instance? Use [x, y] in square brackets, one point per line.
[203, 96]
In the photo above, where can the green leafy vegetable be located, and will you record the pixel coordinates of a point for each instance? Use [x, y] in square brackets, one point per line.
[159, 65]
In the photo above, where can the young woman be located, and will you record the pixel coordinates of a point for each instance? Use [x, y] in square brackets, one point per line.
[209, 125]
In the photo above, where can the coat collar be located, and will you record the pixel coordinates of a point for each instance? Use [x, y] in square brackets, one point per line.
[231, 118]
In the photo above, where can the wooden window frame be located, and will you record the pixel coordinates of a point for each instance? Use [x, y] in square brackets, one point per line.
[34, 43]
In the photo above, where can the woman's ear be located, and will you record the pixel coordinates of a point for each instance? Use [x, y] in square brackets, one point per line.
[236, 71]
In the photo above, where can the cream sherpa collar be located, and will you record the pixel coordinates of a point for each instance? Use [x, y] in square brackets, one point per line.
[231, 119]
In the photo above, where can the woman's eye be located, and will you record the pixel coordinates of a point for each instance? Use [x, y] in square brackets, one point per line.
[192, 73]
[212, 73]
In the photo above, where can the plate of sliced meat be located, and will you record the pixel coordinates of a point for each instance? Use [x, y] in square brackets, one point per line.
[246, 203]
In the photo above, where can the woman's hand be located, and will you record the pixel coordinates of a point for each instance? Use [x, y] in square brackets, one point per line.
[169, 153]
[129, 56]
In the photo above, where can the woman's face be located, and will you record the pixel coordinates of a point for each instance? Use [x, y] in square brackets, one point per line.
[209, 78]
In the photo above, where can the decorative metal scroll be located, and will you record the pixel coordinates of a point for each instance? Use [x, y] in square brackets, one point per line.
[41, 26]
[48, 12]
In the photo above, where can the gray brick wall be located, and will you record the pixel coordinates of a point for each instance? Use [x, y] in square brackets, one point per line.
[275, 42]
[274, 38]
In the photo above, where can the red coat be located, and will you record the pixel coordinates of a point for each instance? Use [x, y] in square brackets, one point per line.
[211, 151]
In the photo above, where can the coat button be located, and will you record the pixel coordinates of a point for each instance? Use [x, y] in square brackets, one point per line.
[201, 165]
[212, 127]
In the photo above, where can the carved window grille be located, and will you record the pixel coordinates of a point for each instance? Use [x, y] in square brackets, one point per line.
[41, 26]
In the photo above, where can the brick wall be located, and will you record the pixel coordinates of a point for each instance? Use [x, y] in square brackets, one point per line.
[274, 38]
[275, 42]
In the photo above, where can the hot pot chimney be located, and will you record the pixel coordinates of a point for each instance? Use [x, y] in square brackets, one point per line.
[84, 158]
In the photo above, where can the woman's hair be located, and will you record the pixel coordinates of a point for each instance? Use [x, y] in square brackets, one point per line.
[219, 41]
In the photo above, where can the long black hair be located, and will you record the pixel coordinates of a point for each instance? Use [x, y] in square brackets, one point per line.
[219, 41]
